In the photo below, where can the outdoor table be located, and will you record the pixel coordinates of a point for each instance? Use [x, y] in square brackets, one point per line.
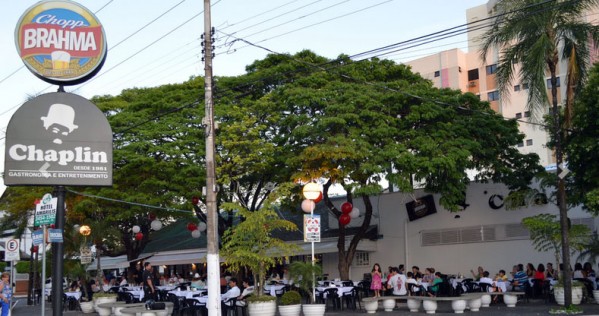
[340, 290]
[188, 294]
[76, 295]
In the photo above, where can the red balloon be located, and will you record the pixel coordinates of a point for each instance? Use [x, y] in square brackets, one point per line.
[36, 202]
[139, 236]
[195, 200]
[344, 219]
[319, 198]
[52, 226]
[346, 208]
[192, 226]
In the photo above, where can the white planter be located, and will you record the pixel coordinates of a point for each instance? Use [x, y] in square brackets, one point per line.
[413, 305]
[87, 307]
[430, 307]
[596, 296]
[290, 310]
[313, 309]
[369, 306]
[510, 300]
[475, 304]
[262, 308]
[389, 304]
[102, 300]
[558, 293]
[485, 300]
[458, 306]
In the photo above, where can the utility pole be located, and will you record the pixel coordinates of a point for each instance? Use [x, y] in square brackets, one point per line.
[211, 187]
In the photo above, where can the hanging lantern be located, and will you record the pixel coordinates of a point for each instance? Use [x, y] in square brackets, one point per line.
[156, 224]
[308, 206]
[152, 216]
[346, 208]
[202, 226]
[196, 234]
[135, 229]
[139, 236]
[85, 230]
[192, 226]
[312, 190]
[319, 198]
[355, 213]
[344, 219]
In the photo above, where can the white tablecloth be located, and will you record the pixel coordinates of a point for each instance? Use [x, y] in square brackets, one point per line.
[188, 294]
[272, 289]
[76, 295]
[340, 290]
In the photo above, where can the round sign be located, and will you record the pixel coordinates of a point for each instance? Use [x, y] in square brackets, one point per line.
[12, 245]
[61, 42]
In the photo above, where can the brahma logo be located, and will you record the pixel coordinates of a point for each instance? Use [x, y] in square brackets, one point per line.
[61, 42]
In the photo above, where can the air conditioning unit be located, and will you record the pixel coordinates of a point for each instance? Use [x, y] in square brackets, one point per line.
[472, 84]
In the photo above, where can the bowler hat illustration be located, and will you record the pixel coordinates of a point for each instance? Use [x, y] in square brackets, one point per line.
[60, 114]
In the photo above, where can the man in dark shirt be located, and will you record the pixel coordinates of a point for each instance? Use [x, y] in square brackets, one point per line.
[148, 281]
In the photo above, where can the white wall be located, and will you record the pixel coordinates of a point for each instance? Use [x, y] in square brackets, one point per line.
[391, 216]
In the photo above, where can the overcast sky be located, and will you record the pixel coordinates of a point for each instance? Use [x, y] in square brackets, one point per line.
[155, 42]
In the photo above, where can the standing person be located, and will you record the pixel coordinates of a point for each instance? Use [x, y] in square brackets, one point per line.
[5, 293]
[377, 280]
[148, 282]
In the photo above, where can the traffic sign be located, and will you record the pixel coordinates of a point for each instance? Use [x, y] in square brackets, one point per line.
[37, 237]
[12, 250]
[45, 211]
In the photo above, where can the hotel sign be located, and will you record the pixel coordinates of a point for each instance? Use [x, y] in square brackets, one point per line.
[61, 42]
[58, 139]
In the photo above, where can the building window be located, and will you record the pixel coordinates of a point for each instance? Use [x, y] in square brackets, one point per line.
[493, 95]
[517, 87]
[527, 114]
[518, 115]
[521, 144]
[437, 73]
[362, 259]
[525, 86]
[549, 83]
[529, 142]
[473, 74]
[491, 69]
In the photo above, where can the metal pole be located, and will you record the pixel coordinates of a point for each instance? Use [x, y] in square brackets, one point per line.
[43, 281]
[57, 256]
[212, 257]
[313, 259]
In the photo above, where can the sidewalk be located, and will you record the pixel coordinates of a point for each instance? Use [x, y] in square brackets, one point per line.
[534, 307]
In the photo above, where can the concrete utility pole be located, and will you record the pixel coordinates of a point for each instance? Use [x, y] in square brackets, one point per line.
[211, 187]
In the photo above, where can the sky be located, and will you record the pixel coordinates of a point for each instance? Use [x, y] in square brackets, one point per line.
[156, 42]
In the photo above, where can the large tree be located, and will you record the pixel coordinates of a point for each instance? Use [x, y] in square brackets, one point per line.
[531, 38]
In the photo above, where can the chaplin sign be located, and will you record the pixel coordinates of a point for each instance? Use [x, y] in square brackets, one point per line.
[58, 139]
[61, 42]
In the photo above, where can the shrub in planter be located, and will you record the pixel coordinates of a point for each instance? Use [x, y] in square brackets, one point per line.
[262, 298]
[291, 298]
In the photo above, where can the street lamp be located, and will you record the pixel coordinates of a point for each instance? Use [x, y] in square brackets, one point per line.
[85, 230]
[312, 191]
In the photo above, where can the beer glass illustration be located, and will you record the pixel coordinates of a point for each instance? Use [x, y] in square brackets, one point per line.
[60, 60]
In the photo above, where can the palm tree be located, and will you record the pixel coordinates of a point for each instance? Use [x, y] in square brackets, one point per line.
[532, 37]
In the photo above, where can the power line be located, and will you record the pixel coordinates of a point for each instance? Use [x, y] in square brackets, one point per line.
[130, 203]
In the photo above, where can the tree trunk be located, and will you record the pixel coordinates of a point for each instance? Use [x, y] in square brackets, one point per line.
[561, 186]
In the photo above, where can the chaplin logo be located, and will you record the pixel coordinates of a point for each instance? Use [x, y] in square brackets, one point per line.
[58, 138]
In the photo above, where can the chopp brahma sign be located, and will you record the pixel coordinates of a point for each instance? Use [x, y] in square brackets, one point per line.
[61, 42]
[58, 139]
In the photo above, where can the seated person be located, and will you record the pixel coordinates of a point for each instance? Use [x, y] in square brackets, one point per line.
[232, 293]
[74, 287]
[123, 281]
[397, 283]
[415, 288]
[487, 280]
[247, 290]
[197, 282]
[520, 281]
[501, 277]
[540, 272]
[478, 274]
[433, 289]
[416, 272]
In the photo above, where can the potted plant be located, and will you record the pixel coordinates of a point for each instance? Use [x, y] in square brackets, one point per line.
[290, 304]
[101, 298]
[251, 244]
[304, 276]
[558, 292]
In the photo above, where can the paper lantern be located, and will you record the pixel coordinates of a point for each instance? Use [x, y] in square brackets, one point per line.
[196, 234]
[156, 224]
[192, 226]
[308, 206]
[85, 230]
[195, 200]
[319, 198]
[346, 208]
[202, 226]
[355, 213]
[344, 219]
[312, 190]
[139, 236]
[135, 229]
